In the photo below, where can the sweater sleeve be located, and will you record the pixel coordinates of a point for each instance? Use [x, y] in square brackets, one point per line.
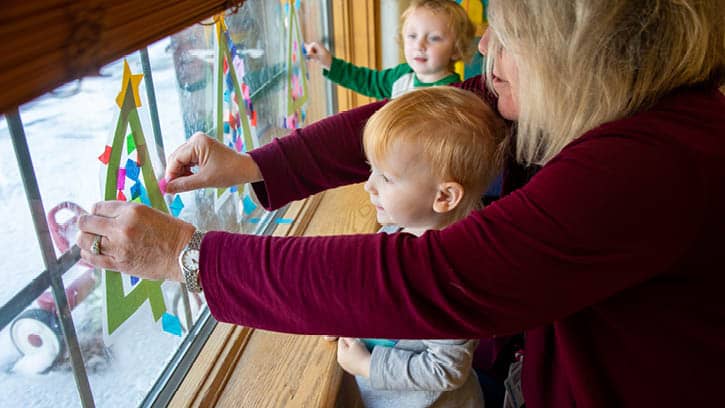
[590, 224]
[366, 81]
[443, 366]
[325, 154]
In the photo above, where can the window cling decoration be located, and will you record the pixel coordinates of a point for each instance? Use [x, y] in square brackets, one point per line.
[233, 111]
[297, 77]
[125, 296]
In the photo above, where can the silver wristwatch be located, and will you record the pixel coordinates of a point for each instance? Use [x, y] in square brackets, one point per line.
[189, 262]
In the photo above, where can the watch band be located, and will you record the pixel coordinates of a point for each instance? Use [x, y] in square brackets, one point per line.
[191, 276]
[191, 281]
[195, 241]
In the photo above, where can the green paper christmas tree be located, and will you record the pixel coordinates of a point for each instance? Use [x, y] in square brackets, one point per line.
[138, 171]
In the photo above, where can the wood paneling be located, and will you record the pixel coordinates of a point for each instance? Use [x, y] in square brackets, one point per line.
[355, 40]
[48, 43]
[212, 369]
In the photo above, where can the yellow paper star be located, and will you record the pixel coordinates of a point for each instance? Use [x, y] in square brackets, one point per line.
[135, 80]
[220, 25]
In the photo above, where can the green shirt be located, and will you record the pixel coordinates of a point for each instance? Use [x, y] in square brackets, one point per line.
[374, 83]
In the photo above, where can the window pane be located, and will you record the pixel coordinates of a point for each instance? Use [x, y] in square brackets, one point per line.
[21, 383]
[21, 260]
[66, 132]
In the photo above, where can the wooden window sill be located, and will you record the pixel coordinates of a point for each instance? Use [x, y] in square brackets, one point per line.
[242, 367]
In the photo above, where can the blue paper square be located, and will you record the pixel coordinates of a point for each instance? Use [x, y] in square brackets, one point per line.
[171, 324]
[249, 205]
[176, 206]
[136, 191]
[132, 170]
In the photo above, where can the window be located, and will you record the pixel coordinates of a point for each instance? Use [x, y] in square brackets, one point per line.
[69, 358]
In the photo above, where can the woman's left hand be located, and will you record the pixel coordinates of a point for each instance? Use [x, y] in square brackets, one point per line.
[353, 356]
[135, 239]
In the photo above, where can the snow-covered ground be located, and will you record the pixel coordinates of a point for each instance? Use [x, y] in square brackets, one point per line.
[66, 132]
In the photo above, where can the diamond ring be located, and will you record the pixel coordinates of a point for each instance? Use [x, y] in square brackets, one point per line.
[96, 245]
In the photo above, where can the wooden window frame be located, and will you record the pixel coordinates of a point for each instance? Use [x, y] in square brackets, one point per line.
[47, 43]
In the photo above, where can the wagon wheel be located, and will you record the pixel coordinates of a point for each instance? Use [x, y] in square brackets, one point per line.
[37, 331]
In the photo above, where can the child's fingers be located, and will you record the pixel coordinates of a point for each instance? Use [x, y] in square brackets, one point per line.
[347, 341]
[341, 347]
[329, 338]
[358, 346]
[311, 48]
[311, 52]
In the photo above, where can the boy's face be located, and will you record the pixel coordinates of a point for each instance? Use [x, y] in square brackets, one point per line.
[403, 189]
[429, 44]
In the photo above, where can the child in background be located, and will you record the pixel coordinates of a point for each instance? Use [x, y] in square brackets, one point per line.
[435, 34]
[432, 153]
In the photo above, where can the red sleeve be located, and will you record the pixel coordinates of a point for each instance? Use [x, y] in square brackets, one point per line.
[323, 155]
[587, 226]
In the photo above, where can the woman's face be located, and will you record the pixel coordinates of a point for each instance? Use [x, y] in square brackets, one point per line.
[505, 78]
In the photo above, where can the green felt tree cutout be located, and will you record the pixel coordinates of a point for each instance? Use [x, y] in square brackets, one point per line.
[232, 104]
[120, 306]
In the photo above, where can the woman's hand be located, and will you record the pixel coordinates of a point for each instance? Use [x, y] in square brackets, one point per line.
[353, 356]
[218, 166]
[135, 239]
[319, 53]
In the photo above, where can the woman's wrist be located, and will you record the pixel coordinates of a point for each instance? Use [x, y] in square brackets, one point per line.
[186, 231]
[249, 168]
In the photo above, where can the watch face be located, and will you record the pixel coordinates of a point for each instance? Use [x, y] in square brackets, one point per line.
[190, 260]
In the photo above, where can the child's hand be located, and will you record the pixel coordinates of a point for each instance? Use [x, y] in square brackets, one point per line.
[319, 53]
[353, 357]
[329, 338]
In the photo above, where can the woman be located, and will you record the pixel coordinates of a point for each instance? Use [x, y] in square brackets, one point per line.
[607, 256]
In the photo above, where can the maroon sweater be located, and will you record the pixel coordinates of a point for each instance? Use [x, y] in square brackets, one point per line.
[610, 258]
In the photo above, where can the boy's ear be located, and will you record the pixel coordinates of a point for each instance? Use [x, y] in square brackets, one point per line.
[448, 196]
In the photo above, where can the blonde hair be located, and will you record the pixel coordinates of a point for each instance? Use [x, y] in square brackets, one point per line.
[459, 135]
[588, 62]
[458, 21]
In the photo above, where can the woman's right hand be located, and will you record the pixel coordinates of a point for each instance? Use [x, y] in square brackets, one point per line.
[218, 166]
[319, 53]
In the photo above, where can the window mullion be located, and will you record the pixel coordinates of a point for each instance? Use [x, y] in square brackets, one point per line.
[32, 193]
[153, 107]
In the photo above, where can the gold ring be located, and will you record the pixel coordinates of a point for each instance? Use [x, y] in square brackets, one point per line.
[96, 245]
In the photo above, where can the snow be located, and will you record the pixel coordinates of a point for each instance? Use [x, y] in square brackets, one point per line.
[66, 132]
